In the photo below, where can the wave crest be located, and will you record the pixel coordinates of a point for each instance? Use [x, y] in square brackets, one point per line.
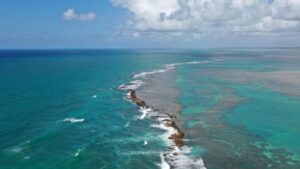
[73, 120]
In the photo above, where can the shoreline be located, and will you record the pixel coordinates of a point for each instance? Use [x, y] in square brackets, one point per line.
[164, 110]
[175, 156]
[176, 137]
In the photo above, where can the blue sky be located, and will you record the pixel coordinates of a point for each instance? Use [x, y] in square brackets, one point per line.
[39, 24]
[148, 23]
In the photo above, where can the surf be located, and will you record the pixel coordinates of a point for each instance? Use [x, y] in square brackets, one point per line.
[175, 156]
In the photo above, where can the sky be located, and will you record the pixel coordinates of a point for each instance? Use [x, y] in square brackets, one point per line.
[149, 23]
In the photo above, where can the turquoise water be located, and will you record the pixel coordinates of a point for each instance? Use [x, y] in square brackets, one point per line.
[242, 119]
[40, 89]
[269, 114]
[63, 109]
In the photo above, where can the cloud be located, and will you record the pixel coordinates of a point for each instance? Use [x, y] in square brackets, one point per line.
[286, 9]
[210, 17]
[71, 15]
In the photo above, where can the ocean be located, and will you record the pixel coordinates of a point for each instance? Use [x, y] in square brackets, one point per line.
[133, 109]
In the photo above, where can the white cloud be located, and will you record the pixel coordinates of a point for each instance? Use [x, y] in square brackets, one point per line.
[210, 17]
[286, 9]
[136, 34]
[71, 15]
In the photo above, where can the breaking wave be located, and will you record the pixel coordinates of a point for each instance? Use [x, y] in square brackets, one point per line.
[176, 155]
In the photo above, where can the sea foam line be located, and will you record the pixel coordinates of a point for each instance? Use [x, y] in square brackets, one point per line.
[144, 112]
[73, 120]
[132, 85]
[135, 84]
[176, 156]
[166, 68]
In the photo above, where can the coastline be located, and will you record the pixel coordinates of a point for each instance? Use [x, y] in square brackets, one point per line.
[168, 121]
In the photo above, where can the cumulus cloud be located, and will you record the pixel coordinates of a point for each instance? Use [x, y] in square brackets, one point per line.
[71, 15]
[206, 17]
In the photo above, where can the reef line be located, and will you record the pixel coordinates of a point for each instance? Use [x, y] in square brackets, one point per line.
[176, 137]
[177, 153]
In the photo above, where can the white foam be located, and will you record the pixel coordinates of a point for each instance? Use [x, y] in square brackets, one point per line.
[144, 112]
[144, 74]
[73, 120]
[17, 149]
[145, 142]
[196, 62]
[164, 164]
[134, 153]
[166, 68]
[95, 96]
[127, 124]
[138, 83]
[169, 131]
[180, 160]
[132, 85]
[77, 153]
